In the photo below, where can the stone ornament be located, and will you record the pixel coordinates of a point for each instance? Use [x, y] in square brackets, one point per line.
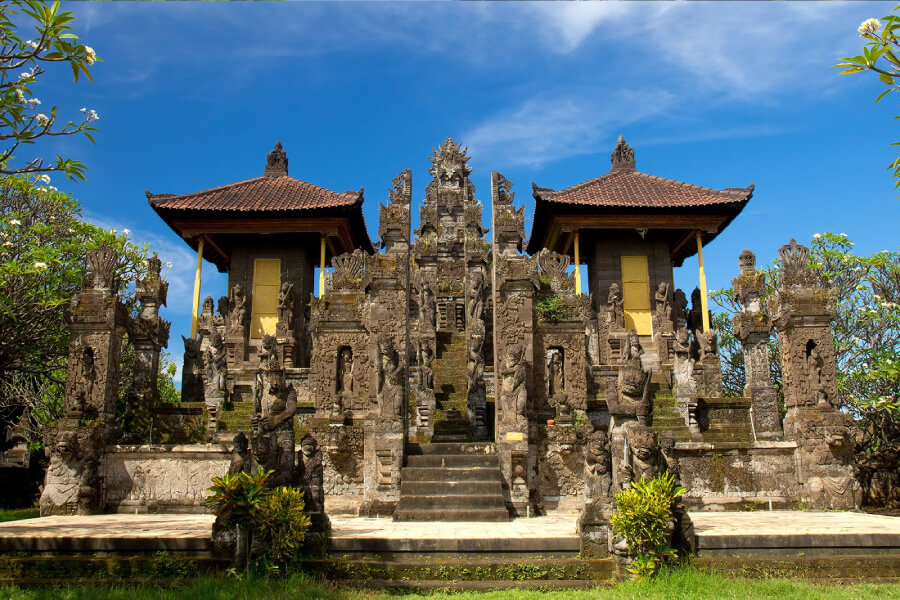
[615, 307]
[514, 394]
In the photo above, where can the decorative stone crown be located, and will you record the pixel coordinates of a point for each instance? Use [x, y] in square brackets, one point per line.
[795, 270]
[747, 262]
[622, 157]
[276, 162]
[101, 269]
[449, 163]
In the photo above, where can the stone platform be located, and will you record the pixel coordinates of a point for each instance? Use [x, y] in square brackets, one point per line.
[762, 533]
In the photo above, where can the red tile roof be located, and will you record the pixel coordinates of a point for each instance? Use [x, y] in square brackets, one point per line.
[632, 189]
[260, 194]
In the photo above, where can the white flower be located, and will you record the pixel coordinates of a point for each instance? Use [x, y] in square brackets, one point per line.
[7, 244]
[42, 119]
[817, 236]
[876, 297]
[44, 178]
[870, 26]
[83, 109]
[126, 231]
[90, 56]
[861, 287]
[52, 188]
[843, 235]
[70, 230]
[113, 231]
[15, 222]
[34, 102]
[40, 266]
[885, 305]
[168, 265]
[33, 44]
[24, 75]
[20, 97]
[92, 116]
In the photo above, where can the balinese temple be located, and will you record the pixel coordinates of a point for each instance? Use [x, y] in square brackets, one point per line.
[631, 229]
[450, 377]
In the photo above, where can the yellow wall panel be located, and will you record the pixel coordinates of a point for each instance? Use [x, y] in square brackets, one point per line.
[636, 294]
[266, 282]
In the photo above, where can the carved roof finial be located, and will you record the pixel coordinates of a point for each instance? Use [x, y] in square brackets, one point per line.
[622, 157]
[276, 162]
[449, 162]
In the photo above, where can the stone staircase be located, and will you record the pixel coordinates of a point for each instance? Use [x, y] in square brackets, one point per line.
[451, 482]
[451, 418]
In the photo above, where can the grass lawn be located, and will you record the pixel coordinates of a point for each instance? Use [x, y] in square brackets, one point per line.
[678, 584]
[14, 514]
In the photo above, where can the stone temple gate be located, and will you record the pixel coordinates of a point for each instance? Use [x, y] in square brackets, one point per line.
[445, 376]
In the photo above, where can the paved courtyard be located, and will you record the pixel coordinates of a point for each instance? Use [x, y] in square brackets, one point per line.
[556, 533]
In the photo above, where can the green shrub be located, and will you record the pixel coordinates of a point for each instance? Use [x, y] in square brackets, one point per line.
[550, 307]
[237, 498]
[281, 526]
[643, 516]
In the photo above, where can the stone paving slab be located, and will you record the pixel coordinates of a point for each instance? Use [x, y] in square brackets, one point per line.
[718, 531]
[539, 534]
[108, 533]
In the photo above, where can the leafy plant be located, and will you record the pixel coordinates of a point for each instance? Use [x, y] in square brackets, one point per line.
[550, 307]
[236, 499]
[281, 526]
[644, 517]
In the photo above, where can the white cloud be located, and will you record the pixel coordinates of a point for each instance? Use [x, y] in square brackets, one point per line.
[556, 127]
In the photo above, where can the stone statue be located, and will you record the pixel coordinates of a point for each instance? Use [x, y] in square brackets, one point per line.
[273, 439]
[663, 307]
[86, 377]
[223, 307]
[708, 341]
[631, 395]
[285, 308]
[514, 393]
[563, 408]
[679, 310]
[429, 308]
[310, 475]
[555, 373]
[667, 455]
[475, 303]
[815, 364]
[615, 307]
[426, 372]
[345, 372]
[192, 370]
[268, 353]
[475, 356]
[390, 375]
[695, 316]
[216, 363]
[237, 306]
[240, 455]
[642, 458]
[597, 477]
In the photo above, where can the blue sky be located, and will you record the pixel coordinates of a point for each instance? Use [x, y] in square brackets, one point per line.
[193, 95]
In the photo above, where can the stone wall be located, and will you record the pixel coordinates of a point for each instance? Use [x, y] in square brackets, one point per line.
[738, 475]
[160, 478]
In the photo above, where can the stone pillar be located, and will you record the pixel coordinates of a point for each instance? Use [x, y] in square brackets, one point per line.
[752, 328]
[515, 280]
[803, 316]
[149, 333]
[96, 318]
[387, 321]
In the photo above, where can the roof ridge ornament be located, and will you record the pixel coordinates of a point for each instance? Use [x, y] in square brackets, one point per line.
[276, 162]
[622, 157]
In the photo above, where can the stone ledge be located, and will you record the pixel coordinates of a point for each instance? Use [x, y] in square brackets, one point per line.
[718, 446]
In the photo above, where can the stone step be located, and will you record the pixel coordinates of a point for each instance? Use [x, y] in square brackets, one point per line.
[450, 488]
[453, 502]
[437, 448]
[453, 461]
[449, 474]
[442, 514]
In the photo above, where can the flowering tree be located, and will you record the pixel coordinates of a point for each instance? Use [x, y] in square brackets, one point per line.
[867, 337]
[43, 245]
[22, 63]
[879, 56]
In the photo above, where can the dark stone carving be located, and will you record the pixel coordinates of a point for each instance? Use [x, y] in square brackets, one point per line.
[237, 310]
[192, 371]
[276, 162]
[285, 310]
[662, 316]
[310, 478]
[240, 454]
[216, 380]
[615, 307]
[679, 310]
[556, 375]
[513, 393]
[273, 424]
[631, 396]
[622, 158]
[390, 375]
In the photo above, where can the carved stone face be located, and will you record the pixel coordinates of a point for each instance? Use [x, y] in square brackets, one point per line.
[308, 446]
[346, 356]
[215, 340]
[208, 305]
[661, 289]
[614, 293]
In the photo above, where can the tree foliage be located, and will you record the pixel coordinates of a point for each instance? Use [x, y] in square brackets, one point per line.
[880, 56]
[43, 245]
[22, 63]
